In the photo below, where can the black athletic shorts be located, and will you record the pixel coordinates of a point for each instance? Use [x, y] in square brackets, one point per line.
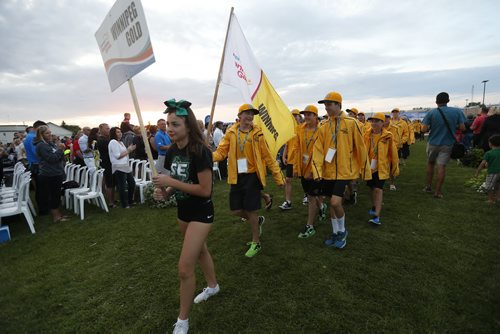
[289, 170]
[196, 211]
[245, 195]
[375, 182]
[108, 176]
[311, 187]
[333, 187]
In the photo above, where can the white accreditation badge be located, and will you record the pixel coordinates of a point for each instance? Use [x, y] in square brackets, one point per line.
[373, 164]
[305, 159]
[330, 154]
[242, 165]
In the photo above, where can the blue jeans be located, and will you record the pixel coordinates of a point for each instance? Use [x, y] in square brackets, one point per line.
[126, 187]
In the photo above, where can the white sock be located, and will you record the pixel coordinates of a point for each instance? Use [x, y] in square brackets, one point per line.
[341, 224]
[334, 226]
[214, 288]
[183, 321]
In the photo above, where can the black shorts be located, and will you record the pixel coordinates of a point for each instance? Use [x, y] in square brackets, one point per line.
[311, 187]
[405, 151]
[245, 195]
[289, 170]
[334, 187]
[196, 211]
[108, 177]
[375, 182]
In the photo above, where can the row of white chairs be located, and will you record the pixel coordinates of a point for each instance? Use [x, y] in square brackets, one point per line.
[142, 175]
[15, 200]
[90, 188]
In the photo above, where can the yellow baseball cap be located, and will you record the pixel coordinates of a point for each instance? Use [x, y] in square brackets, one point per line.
[378, 115]
[310, 108]
[395, 110]
[248, 107]
[332, 97]
[353, 110]
[295, 112]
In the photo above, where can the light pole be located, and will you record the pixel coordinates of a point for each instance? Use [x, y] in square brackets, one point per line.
[484, 88]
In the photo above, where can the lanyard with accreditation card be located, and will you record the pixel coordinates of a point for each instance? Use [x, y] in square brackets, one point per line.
[305, 157]
[331, 151]
[242, 163]
[373, 163]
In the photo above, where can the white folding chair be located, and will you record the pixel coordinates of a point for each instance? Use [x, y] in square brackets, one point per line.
[20, 206]
[94, 193]
[83, 182]
[216, 169]
[144, 181]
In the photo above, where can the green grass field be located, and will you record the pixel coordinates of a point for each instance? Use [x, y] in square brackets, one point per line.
[433, 266]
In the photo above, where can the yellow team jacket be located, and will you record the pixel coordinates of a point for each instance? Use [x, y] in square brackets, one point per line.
[387, 155]
[411, 134]
[395, 135]
[262, 156]
[404, 133]
[366, 126]
[291, 147]
[350, 160]
[301, 166]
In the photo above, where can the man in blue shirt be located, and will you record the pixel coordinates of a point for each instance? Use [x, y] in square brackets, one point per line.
[440, 139]
[33, 167]
[162, 143]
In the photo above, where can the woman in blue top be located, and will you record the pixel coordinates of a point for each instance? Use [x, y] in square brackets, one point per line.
[189, 161]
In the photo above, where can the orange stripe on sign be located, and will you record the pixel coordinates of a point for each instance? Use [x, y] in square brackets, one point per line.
[146, 54]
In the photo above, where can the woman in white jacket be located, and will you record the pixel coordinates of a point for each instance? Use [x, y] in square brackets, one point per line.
[118, 155]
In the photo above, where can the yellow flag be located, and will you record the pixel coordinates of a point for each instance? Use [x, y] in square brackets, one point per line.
[242, 71]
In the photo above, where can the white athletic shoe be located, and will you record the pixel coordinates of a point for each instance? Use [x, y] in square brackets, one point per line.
[181, 328]
[206, 293]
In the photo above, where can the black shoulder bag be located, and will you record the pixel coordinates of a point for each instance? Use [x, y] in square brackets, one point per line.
[458, 149]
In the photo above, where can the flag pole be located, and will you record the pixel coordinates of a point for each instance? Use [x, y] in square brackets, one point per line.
[214, 101]
[143, 129]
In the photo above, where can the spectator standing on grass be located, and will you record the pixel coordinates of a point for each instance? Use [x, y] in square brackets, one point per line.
[140, 149]
[491, 126]
[248, 155]
[491, 161]
[468, 134]
[33, 162]
[119, 157]
[86, 149]
[75, 148]
[189, 161]
[51, 171]
[440, 140]
[477, 126]
[125, 125]
[153, 129]
[217, 136]
[162, 143]
[102, 145]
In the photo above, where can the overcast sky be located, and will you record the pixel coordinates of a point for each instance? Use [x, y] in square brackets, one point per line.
[377, 54]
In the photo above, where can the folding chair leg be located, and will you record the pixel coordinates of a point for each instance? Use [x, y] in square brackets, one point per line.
[82, 204]
[29, 219]
[103, 202]
[32, 207]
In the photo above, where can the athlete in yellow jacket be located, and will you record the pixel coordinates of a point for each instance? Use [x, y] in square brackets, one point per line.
[248, 155]
[306, 136]
[288, 160]
[384, 162]
[339, 156]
